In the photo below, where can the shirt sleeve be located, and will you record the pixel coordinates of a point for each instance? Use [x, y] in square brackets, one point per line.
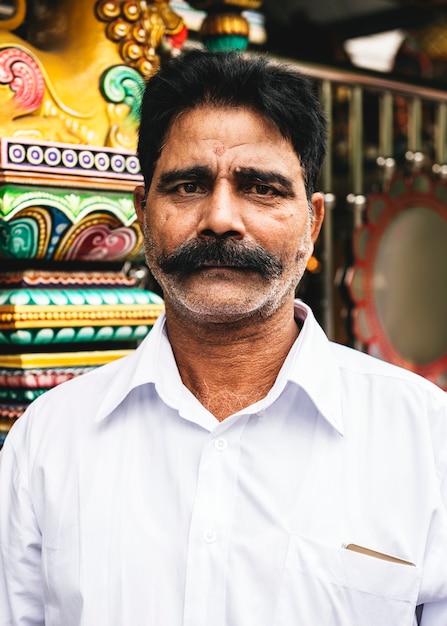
[21, 598]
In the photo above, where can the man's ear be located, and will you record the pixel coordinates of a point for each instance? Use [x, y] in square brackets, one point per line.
[318, 215]
[139, 204]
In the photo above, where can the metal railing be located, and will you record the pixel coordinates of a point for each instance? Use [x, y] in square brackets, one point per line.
[376, 123]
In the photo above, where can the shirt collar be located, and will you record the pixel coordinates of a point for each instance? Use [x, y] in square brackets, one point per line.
[314, 367]
[311, 364]
[139, 368]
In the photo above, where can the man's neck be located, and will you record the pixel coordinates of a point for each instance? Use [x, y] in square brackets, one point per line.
[228, 367]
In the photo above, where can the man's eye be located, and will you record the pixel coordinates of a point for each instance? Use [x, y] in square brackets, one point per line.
[184, 189]
[262, 190]
[189, 187]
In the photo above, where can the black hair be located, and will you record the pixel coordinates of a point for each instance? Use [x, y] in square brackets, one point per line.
[230, 79]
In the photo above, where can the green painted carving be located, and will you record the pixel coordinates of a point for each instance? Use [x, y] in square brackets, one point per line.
[123, 84]
[19, 240]
[77, 297]
[44, 336]
[20, 395]
[75, 205]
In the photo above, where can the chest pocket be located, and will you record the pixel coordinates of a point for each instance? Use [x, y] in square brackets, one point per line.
[337, 587]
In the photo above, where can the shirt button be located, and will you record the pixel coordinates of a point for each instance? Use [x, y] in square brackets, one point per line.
[221, 444]
[209, 535]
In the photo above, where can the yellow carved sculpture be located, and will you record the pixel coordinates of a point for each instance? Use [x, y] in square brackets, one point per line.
[77, 78]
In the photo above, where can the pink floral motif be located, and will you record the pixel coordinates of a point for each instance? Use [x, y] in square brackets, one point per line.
[100, 243]
[21, 72]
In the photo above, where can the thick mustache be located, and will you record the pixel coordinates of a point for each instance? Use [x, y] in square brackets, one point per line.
[198, 253]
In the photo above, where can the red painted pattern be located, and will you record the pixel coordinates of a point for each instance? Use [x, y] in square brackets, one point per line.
[20, 71]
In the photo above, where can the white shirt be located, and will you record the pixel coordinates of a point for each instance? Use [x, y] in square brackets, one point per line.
[123, 502]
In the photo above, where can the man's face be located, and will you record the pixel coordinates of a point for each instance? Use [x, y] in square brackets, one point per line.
[227, 225]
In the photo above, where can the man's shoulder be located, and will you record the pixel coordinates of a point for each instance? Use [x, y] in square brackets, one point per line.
[380, 373]
[353, 362]
[88, 387]
[71, 407]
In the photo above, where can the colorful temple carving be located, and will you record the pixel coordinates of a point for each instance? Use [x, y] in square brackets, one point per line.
[70, 96]
[78, 77]
[71, 253]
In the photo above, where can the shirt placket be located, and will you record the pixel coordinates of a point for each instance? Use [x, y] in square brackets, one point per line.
[211, 521]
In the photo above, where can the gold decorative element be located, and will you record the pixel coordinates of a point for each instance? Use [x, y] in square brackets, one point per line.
[42, 360]
[32, 316]
[225, 24]
[138, 27]
[225, 28]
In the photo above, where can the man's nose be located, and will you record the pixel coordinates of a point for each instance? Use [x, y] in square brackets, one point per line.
[221, 214]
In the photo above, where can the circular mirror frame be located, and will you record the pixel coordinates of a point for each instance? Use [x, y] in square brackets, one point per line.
[418, 191]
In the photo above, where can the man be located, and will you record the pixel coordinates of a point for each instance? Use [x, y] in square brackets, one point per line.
[225, 472]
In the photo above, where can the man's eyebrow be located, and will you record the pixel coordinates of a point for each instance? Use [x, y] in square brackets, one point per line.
[196, 172]
[265, 177]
